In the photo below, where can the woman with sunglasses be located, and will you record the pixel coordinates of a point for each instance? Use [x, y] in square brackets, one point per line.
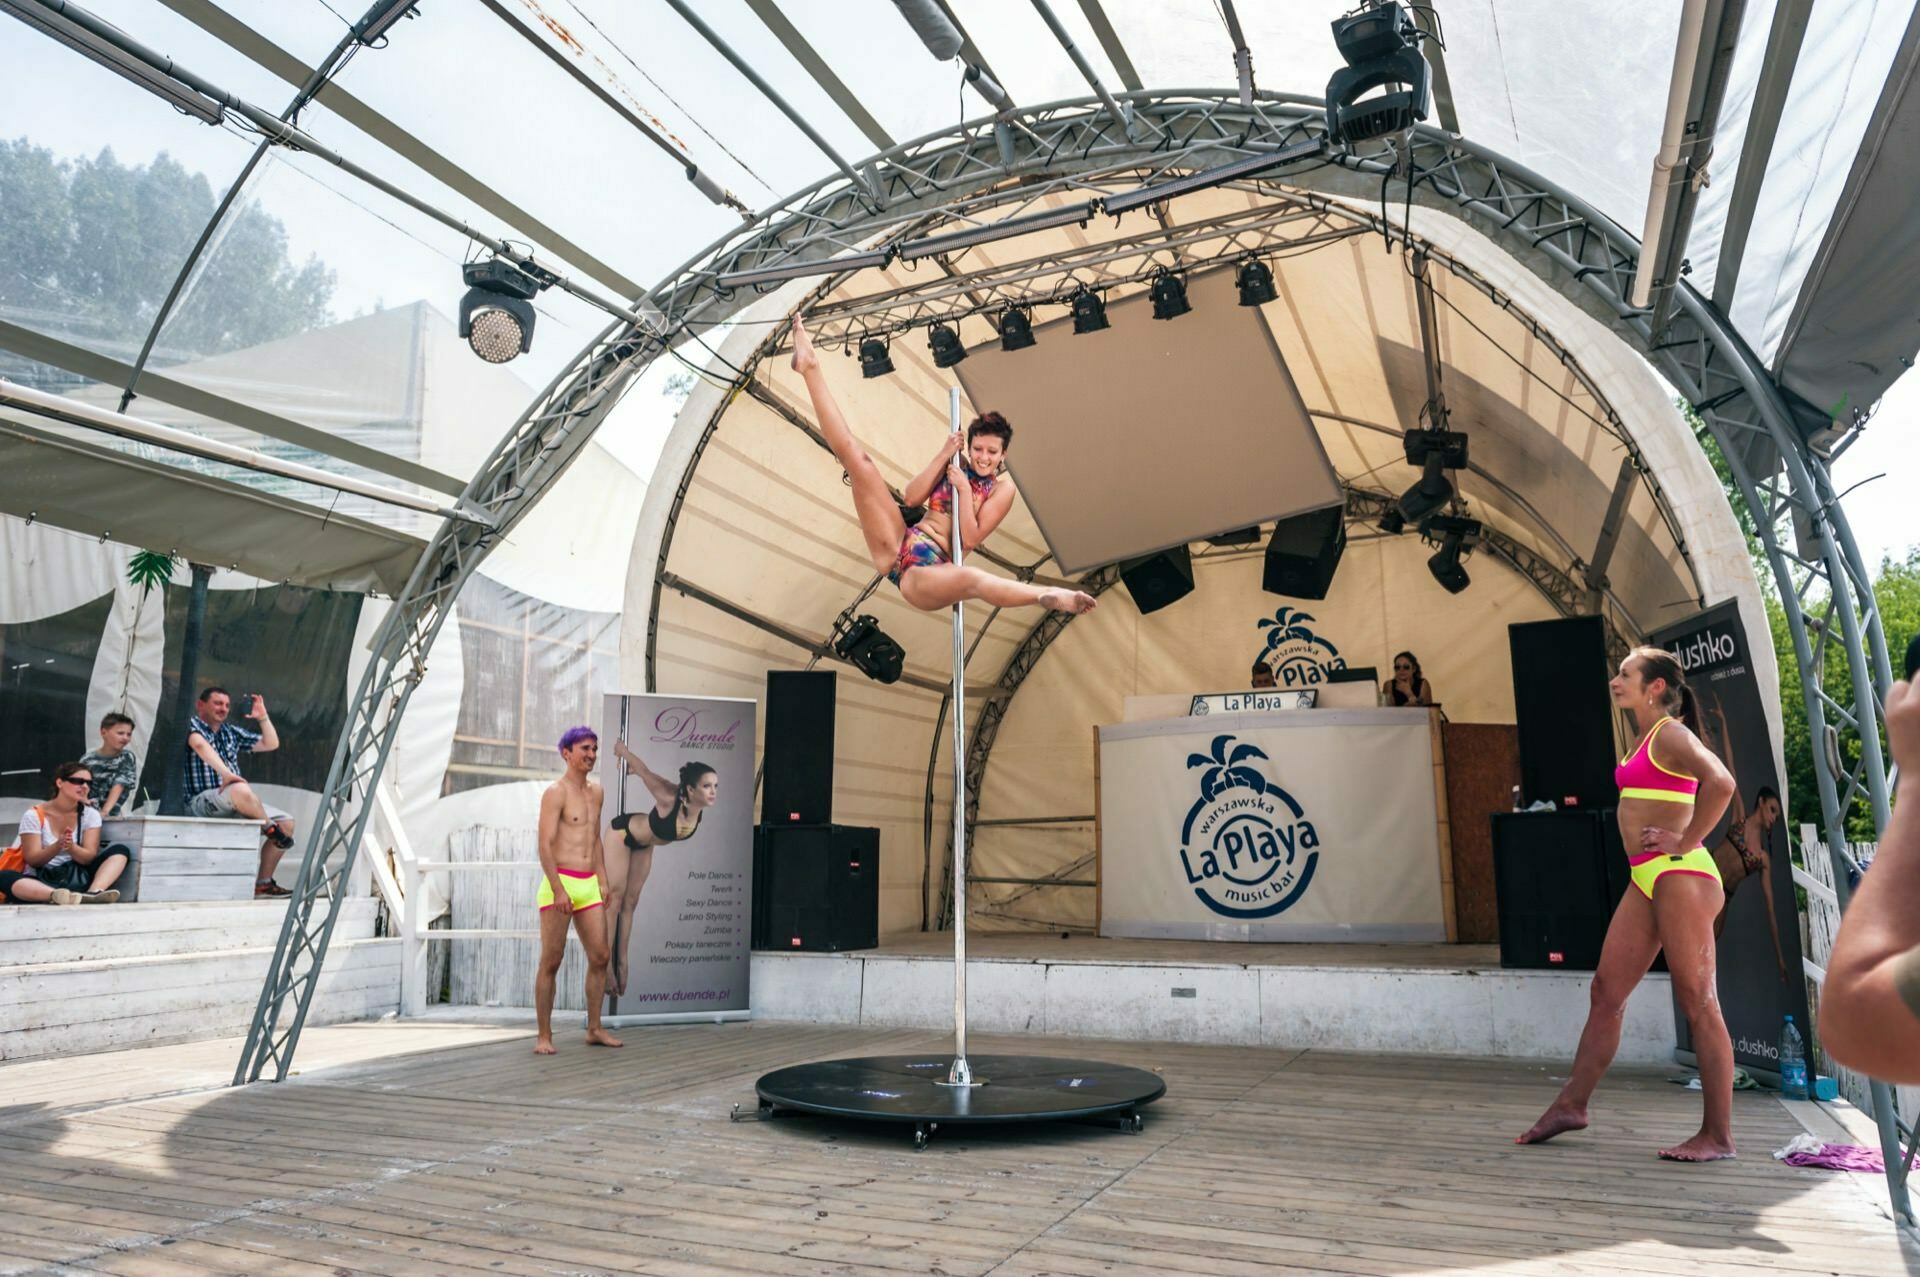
[61, 861]
[1408, 685]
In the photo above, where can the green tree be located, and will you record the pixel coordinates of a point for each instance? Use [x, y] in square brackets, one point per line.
[93, 245]
[1896, 590]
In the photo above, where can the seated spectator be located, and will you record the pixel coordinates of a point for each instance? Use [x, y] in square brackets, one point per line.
[115, 768]
[215, 787]
[1870, 1004]
[59, 858]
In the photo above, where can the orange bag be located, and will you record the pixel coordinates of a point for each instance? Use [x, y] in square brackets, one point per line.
[14, 860]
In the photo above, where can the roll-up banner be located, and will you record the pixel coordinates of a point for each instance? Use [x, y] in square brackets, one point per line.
[678, 842]
[1758, 951]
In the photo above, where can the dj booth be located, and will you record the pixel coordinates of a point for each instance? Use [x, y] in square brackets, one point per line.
[1220, 818]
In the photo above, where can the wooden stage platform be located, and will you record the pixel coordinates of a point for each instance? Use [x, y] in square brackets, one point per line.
[419, 1148]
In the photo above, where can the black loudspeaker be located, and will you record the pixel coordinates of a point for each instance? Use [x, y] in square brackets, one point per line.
[816, 888]
[1563, 711]
[1304, 552]
[797, 760]
[1556, 878]
[1156, 580]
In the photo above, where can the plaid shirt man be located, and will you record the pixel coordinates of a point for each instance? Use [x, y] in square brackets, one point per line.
[230, 742]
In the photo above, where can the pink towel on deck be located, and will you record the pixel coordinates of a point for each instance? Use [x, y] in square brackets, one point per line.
[1839, 1157]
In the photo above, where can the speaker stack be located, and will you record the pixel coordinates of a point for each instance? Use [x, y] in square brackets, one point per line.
[1155, 580]
[1563, 711]
[1305, 552]
[816, 885]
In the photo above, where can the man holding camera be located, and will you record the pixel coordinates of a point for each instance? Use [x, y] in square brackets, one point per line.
[215, 788]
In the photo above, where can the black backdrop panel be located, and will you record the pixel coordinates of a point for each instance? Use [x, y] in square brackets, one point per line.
[1563, 710]
[288, 644]
[45, 667]
[797, 756]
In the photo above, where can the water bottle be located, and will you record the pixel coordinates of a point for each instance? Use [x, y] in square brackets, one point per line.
[1793, 1062]
[1516, 798]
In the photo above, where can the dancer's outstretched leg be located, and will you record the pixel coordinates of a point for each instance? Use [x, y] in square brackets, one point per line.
[873, 503]
[942, 585]
[1630, 947]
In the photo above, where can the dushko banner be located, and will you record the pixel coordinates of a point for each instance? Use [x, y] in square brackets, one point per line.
[1758, 930]
[678, 773]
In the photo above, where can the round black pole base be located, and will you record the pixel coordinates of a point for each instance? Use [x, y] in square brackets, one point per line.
[910, 1090]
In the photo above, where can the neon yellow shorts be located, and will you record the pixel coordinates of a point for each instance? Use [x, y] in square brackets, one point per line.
[583, 888]
[1649, 867]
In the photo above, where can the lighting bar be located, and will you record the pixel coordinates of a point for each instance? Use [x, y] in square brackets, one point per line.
[86, 43]
[933, 245]
[802, 270]
[1140, 197]
[75, 413]
[379, 18]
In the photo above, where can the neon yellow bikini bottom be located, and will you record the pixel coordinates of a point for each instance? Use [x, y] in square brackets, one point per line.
[583, 889]
[1649, 867]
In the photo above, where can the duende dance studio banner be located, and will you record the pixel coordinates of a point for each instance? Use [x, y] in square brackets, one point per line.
[1314, 825]
[678, 841]
[1759, 925]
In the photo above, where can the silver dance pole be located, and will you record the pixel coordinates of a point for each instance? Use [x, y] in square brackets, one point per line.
[961, 1074]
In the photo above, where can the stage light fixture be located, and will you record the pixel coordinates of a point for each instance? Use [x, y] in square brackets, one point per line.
[1255, 282]
[1434, 451]
[1453, 535]
[802, 270]
[1393, 523]
[944, 341]
[1169, 293]
[496, 315]
[869, 649]
[1016, 328]
[1381, 46]
[875, 360]
[1089, 311]
[380, 18]
[87, 44]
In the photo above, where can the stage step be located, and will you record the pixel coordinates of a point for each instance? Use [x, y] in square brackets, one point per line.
[104, 978]
[1455, 1009]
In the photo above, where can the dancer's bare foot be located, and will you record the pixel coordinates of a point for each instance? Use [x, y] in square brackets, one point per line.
[544, 1046]
[804, 359]
[1557, 1120]
[1067, 600]
[1701, 1148]
[600, 1037]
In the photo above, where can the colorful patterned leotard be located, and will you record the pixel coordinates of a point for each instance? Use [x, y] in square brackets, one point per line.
[917, 548]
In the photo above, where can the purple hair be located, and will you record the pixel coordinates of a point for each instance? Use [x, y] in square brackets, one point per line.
[574, 735]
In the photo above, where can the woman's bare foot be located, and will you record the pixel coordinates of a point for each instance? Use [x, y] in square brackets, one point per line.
[600, 1037]
[1701, 1148]
[544, 1046]
[804, 359]
[1067, 600]
[1557, 1120]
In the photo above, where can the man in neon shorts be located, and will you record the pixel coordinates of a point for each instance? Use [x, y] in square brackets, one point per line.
[573, 886]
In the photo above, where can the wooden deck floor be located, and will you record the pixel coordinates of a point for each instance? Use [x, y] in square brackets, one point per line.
[466, 1154]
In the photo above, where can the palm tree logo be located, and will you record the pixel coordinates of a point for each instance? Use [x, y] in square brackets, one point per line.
[1288, 628]
[1223, 769]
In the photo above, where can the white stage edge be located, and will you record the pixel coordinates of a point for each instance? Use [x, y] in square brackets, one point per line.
[1398, 1009]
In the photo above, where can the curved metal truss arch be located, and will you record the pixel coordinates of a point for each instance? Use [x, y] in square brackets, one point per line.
[1077, 146]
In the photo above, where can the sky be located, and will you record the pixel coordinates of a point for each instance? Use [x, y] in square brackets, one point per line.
[472, 89]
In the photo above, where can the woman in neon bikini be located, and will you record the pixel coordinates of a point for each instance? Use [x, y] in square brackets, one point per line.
[918, 559]
[628, 846]
[1672, 793]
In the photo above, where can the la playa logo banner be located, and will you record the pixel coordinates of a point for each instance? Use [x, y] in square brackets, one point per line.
[1246, 847]
[1298, 656]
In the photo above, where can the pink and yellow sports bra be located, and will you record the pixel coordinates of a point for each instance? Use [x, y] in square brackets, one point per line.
[1640, 775]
